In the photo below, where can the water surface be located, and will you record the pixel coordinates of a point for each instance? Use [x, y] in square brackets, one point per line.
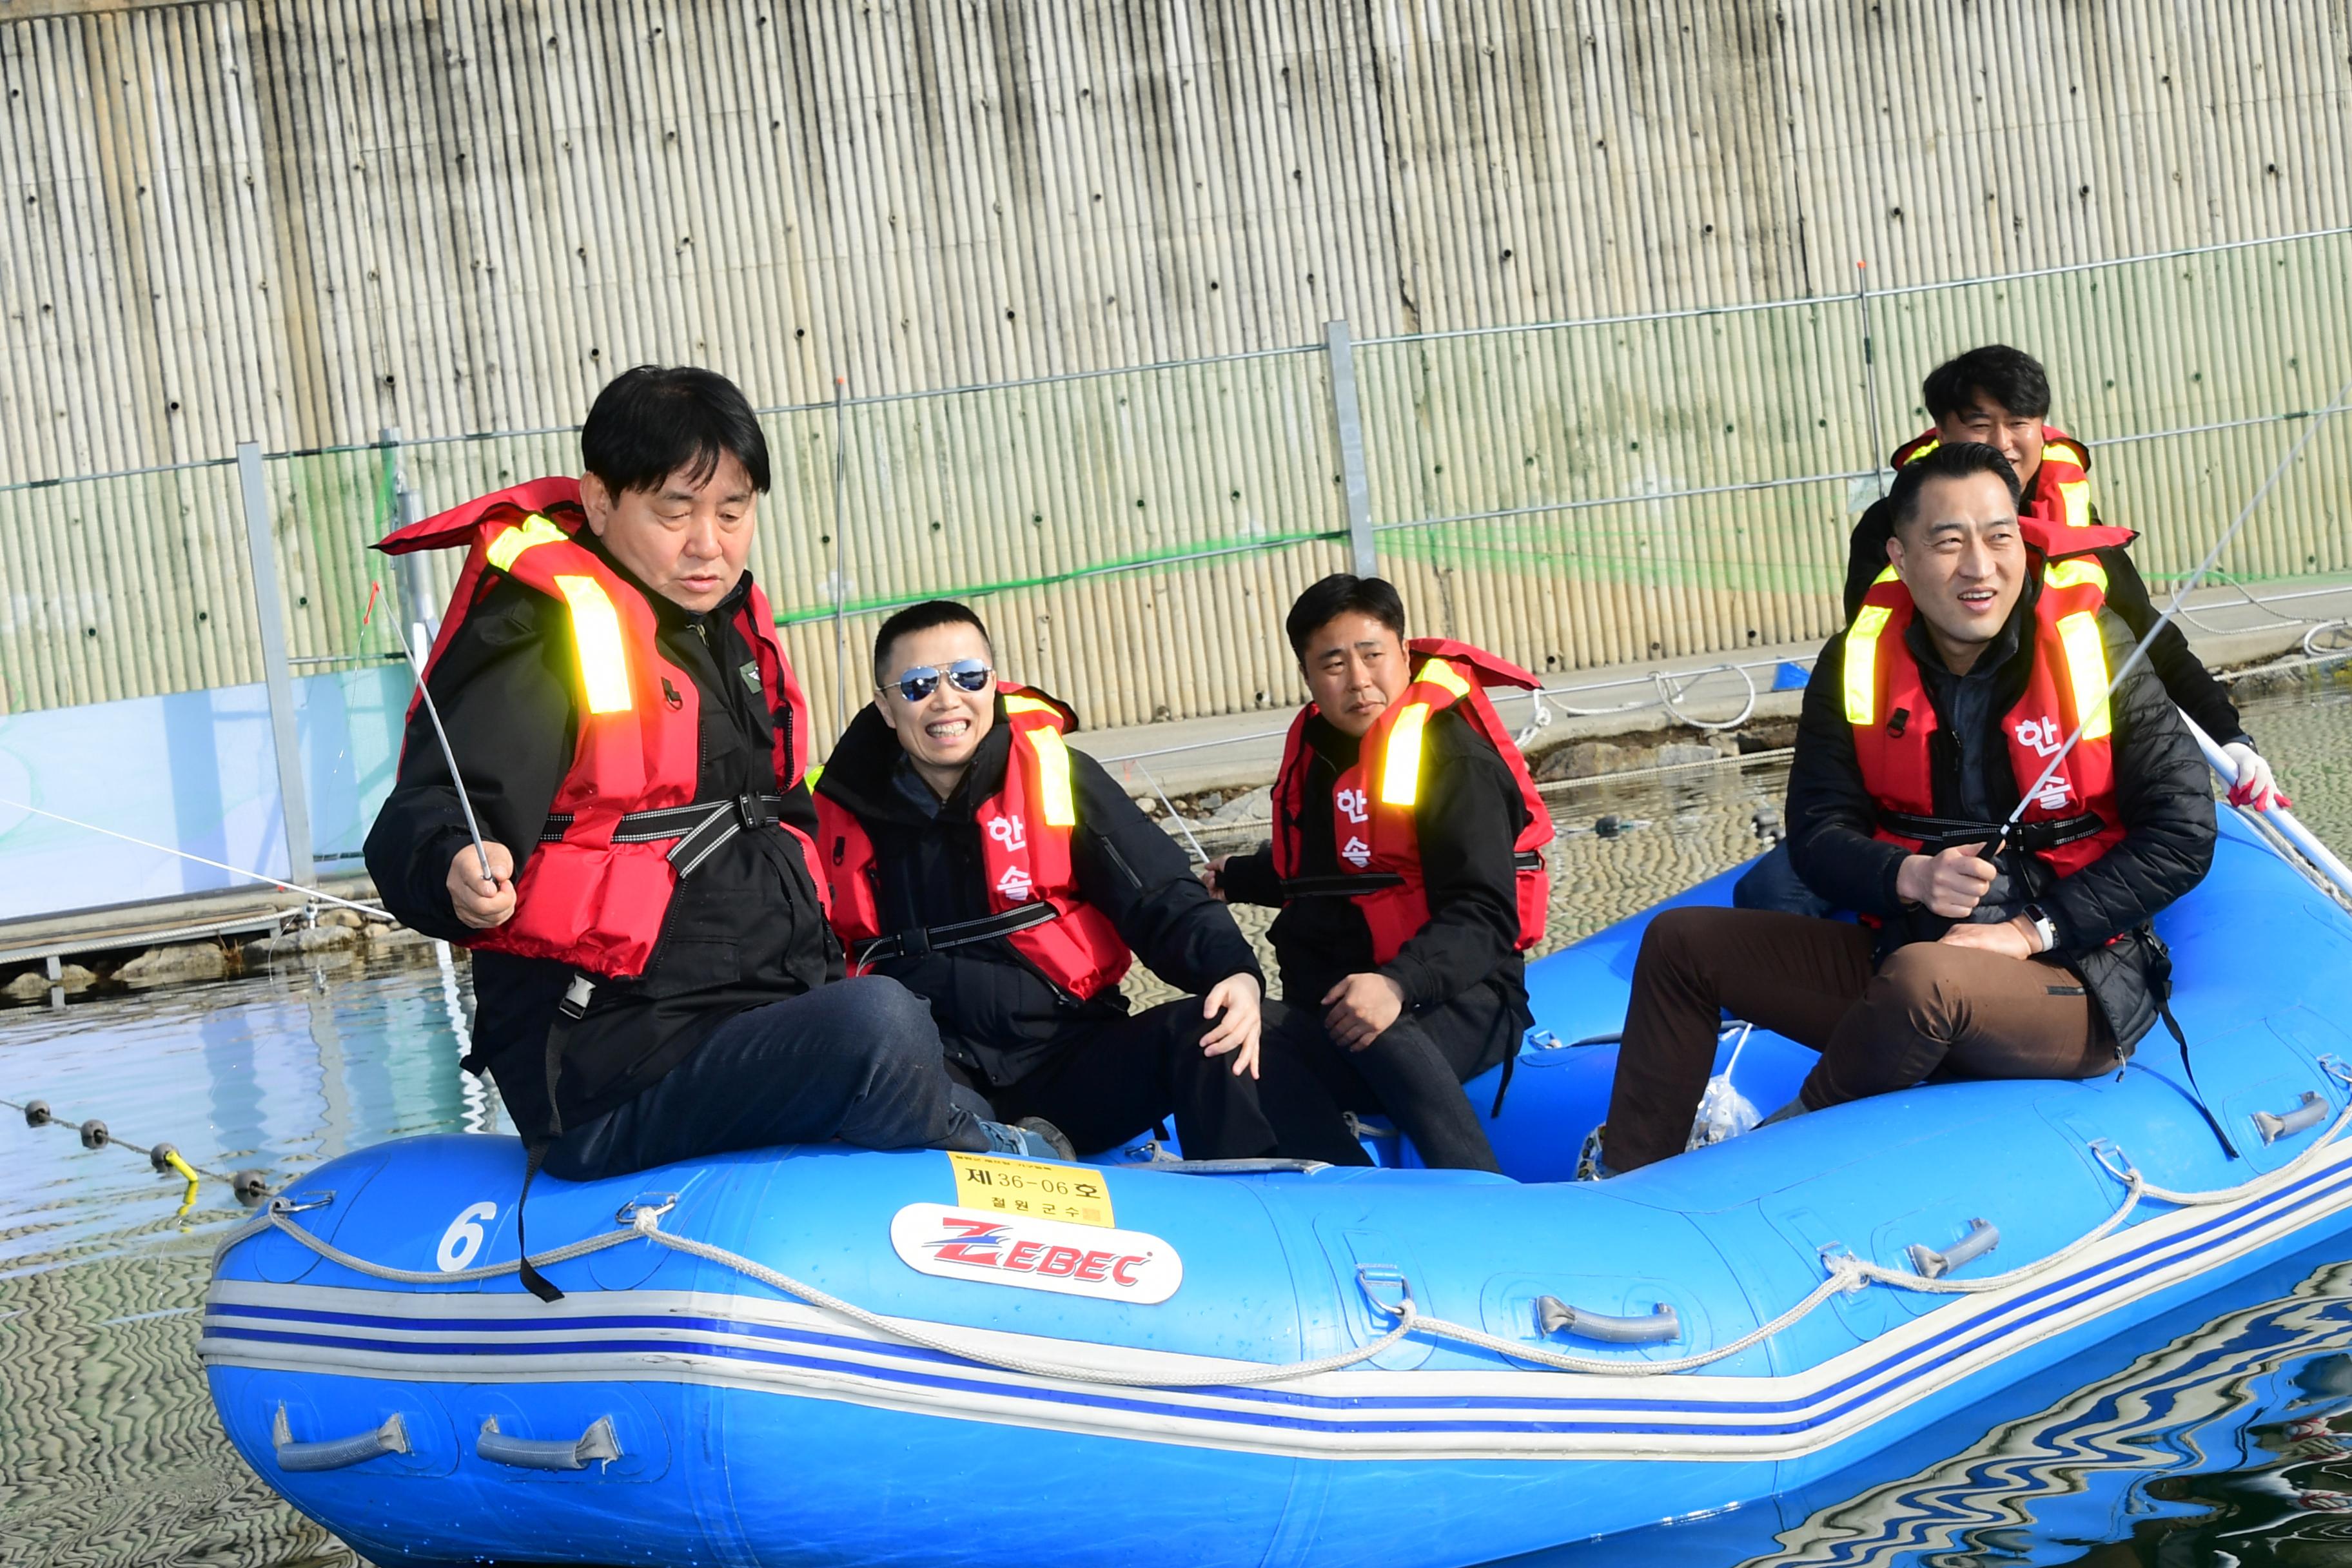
[2218, 1442]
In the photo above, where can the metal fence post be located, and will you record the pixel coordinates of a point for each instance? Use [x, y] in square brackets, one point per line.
[1354, 490]
[269, 614]
[417, 606]
[840, 559]
[1870, 374]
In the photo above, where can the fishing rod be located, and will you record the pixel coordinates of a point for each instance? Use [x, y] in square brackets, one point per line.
[2139, 654]
[278, 882]
[449, 755]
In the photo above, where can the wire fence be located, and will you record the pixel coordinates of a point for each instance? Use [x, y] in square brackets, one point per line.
[1572, 494]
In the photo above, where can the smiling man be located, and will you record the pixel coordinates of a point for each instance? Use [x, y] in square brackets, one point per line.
[651, 958]
[978, 859]
[1969, 664]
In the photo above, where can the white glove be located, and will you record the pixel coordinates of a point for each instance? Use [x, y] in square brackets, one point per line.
[2255, 787]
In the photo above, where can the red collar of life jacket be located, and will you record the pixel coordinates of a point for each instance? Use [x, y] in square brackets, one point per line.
[2056, 518]
[1372, 803]
[626, 825]
[1025, 829]
[2077, 810]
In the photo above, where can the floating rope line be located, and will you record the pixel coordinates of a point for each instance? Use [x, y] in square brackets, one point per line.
[250, 1186]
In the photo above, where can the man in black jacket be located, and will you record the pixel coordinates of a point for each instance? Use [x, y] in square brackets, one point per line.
[732, 1036]
[981, 862]
[2000, 396]
[1401, 1036]
[2038, 963]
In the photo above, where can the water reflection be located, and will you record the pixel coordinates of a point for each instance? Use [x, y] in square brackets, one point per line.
[2229, 1443]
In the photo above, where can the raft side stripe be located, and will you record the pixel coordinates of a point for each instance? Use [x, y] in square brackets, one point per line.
[1946, 1349]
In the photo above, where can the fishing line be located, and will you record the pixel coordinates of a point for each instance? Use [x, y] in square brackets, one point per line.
[278, 882]
[2139, 654]
[465, 803]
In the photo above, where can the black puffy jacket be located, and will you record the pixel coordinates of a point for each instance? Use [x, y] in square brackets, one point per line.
[999, 1016]
[2101, 912]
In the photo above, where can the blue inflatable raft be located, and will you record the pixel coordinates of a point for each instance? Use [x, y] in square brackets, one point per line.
[822, 1355]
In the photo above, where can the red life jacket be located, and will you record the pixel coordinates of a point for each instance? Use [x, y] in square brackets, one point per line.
[624, 826]
[1033, 892]
[2057, 519]
[1887, 702]
[1371, 805]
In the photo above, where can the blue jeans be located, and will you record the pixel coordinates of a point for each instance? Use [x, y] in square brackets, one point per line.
[1772, 883]
[859, 1060]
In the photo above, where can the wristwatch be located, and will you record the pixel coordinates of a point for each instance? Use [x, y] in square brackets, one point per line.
[2042, 927]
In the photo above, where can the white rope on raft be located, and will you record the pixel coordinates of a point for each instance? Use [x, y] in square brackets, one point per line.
[1846, 1275]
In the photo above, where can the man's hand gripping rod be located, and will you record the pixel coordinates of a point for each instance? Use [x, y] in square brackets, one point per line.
[2139, 654]
[481, 855]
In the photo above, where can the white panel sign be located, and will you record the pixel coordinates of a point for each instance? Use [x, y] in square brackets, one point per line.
[1036, 1254]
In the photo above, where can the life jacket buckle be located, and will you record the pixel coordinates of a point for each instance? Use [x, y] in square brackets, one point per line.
[576, 996]
[915, 943]
[754, 811]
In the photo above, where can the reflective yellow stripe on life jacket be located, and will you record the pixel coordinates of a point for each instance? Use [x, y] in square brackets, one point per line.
[2077, 574]
[2086, 670]
[1401, 770]
[1053, 778]
[596, 639]
[2074, 502]
[1437, 672]
[513, 541]
[1862, 664]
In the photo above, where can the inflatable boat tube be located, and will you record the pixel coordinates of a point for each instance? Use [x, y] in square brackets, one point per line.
[826, 1355]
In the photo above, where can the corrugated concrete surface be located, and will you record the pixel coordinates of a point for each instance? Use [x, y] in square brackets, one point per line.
[304, 222]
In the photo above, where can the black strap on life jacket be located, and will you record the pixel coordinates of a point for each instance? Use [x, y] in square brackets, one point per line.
[699, 828]
[1939, 833]
[1510, 1065]
[921, 940]
[574, 1004]
[2159, 980]
[1343, 885]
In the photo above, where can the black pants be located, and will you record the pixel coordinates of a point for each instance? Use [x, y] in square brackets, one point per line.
[1772, 883]
[1109, 1081]
[1412, 1073]
[859, 1060]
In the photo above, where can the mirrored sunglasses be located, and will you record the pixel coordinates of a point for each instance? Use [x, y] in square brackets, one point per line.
[964, 675]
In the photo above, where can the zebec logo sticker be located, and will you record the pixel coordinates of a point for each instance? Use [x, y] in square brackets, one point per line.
[1036, 1254]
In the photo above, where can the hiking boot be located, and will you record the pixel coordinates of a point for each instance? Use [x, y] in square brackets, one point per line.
[1032, 1138]
[1041, 1131]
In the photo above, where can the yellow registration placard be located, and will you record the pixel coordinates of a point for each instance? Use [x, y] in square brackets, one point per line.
[1031, 1189]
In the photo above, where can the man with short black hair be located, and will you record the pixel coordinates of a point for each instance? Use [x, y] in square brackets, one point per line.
[977, 859]
[1965, 670]
[1407, 864]
[2000, 396]
[651, 957]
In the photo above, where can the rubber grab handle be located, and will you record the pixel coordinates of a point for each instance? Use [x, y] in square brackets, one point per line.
[1983, 1237]
[595, 1445]
[1555, 1316]
[336, 1453]
[2309, 1111]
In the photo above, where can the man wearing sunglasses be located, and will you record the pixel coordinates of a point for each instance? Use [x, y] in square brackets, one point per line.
[979, 861]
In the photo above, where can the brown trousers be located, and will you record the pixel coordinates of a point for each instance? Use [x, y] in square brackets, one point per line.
[1928, 1006]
